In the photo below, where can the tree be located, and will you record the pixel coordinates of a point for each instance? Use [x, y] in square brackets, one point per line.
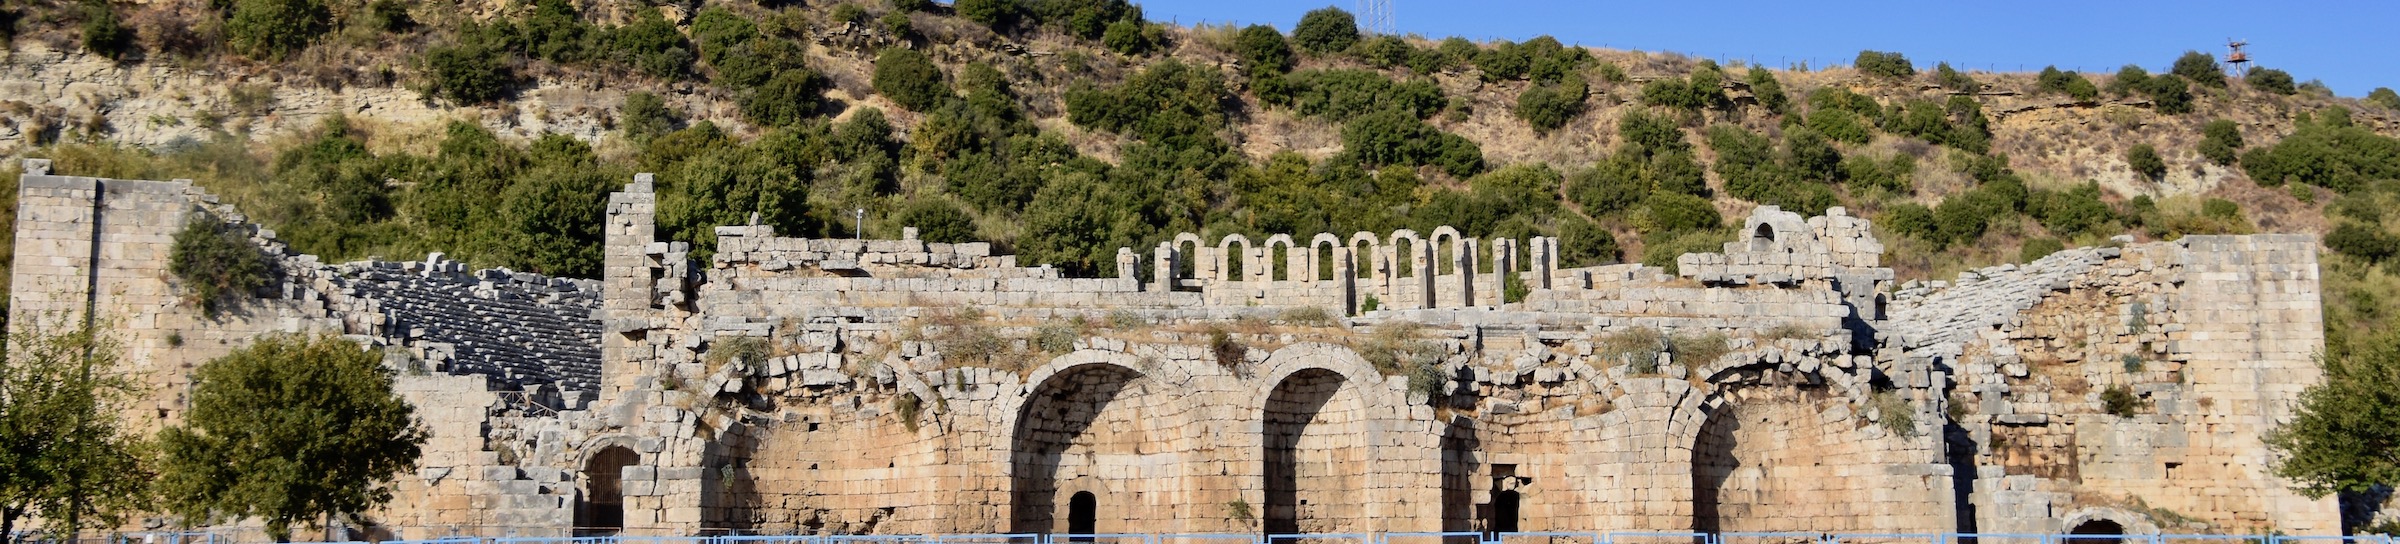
[1885, 64]
[2342, 434]
[937, 221]
[1583, 243]
[63, 457]
[645, 116]
[554, 212]
[1768, 90]
[292, 430]
[103, 33]
[468, 74]
[274, 29]
[2271, 80]
[1326, 30]
[1263, 50]
[910, 79]
[2221, 141]
[2384, 96]
[2200, 68]
[992, 13]
[1548, 107]
[2145, 161]
[791, 96]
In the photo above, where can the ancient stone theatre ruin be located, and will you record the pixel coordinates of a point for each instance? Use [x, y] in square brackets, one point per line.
[1371, 382]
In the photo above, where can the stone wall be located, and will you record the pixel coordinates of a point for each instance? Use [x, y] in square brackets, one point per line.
[792, 385]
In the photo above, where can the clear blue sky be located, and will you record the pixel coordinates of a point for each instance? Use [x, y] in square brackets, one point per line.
[2354, 46]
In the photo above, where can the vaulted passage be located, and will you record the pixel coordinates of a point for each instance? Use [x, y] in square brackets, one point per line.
[1091, 436]
[1767, 464]
[1316, 455]
[2101, 531]
[602, 508]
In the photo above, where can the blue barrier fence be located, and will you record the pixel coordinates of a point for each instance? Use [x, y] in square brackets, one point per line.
[1630, 537]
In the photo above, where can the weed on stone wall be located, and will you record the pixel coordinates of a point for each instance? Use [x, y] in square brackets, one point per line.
[1636, 348]
[1229, 353]
[1238, 510]
[1395, 350]
[1698, 350]
[2119, 401]
[907, 405]
[1894, 412]
[215, 264]
[1308, 316]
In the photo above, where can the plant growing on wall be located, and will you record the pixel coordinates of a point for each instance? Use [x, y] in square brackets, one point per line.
[216, 264]
[63, 457]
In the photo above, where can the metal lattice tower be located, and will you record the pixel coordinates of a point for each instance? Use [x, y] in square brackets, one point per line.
[1375, 16]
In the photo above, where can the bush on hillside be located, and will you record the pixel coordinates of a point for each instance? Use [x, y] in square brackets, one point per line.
[1542, 59]
[2328, 152]
[992, 13]
[1762, 85]
[1955, 80]
[1884, 64]
[1326, 30]
[2037, 248]
[937, 221]
[792, 96]
[1263, 50]
[1344, 94]
[2145, 161]
[2384, 96]
[1392, 137]
[1548, 107]
[2072, 212]
[1583, 243]
[910, 79]
[2271, 80]
[1896, 174]
[2129, 80]
[2055, 81]
[1131, 37]
[1840, 125]
[274, 29]
[103, 34]
[644, 117]
[1912, 220]
[468, 74]
[2363, 242]
[2200, 68]
[1169, 103]
[652, 46]
[2221, 142]
[1602, 191]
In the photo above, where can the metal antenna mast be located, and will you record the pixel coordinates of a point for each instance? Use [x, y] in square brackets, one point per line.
[1375, 16]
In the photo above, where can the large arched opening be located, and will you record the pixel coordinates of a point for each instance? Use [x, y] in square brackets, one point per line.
[1098, 433]
[601, 507]
[1761, 464]
[1316, 455]
[2098, 531]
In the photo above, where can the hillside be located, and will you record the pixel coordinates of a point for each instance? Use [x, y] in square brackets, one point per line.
[1062, 129]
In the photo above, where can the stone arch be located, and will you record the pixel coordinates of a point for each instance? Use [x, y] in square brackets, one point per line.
[1368, 249]
[600, 499]
[2104, 520]
[1291, 259]
[1187, 247]
[1406, 260]
[1758, 458]
[1232, 265]
[1326, 257]
[1321, 409]
[1447, 257]
[1093, 421]
[1762, 238]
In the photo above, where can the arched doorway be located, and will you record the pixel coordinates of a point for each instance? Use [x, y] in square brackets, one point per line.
[2100, 531]
[1083, 515]
[1099, 427]
[1315, 455]
[1762, 452]
[1504, 511]
[602, 508]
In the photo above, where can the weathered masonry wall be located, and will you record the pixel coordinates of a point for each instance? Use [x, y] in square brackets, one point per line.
[792, 385]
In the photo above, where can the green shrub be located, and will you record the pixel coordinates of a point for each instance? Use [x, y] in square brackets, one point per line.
[1703, 89]
[2384, 96]
[1896, 174]
[992, 13]
[792, 96]
[1169, 103]
[1542, 59]
[2069, 213]
[1671, 214]
[1325, 30]
[1842, 126]
[468, 74]
[1912, 220]
[2363, 242]
[2055, 81]
[1548, 107]
[1131, 37]
[1392, 137]
[2145, 161]
[2037, 248]
[644, 117]
[2130, 79]
[2221, 209]
[1341, 95]
[1762, 85]
[215, 264]
[2171, 94]
[1583, 243]
[910, 79]
[1955, 80]
[2271, 80]
[1883, 64]
[1663, 253]
[1263, 50]
[937, 221]
[652, 46]
[389, 16]
[2327, 153]
[1602, 191]
[274, 29]
[2119, 401]
[2200, 68]
[2221, 142]
[912, 5]
[103, 34]
[1898, 414]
